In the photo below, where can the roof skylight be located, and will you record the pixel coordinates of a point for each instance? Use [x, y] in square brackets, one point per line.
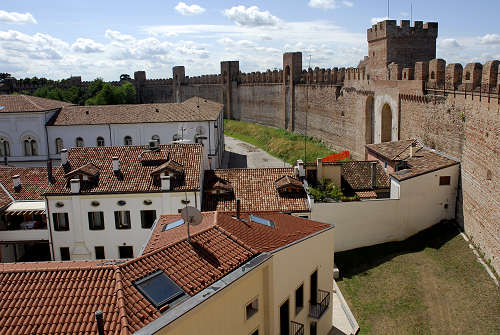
[173, 224]
[262, 221]
[159, 289]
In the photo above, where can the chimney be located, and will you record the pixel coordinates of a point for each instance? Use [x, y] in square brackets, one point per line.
[75, 186]
[300, 166]
[49, 171]
[100, 322]
[319, 169]
[116, 164]
[413, 145]
[374, 174]
[238, 208]
[64, 156]
[165, 183]
[16, 180]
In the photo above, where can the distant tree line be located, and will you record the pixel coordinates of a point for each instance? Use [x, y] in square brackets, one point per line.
[97, 93]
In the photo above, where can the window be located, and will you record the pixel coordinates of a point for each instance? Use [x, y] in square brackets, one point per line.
[59, 145]
[4, 147]
[256, 332]
[30, 146]
[79, 142]
[299, 299]
[96, 220]
[433, 75]
[444, 180]
[127, 140]
[252, 308]
[100, 141]
[159, 289]
[61, 222]
[313, 328]
[64, 253]
[126, 251]
[122, 219]
[467, 75]
[156, 138]
[176, 137]
[148, 218]
[488, 175]
[99, 252]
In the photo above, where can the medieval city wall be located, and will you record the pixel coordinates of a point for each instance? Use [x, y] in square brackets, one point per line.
[259, 103]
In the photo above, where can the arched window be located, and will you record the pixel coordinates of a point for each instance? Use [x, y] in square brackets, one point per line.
[59, 145]
[79, 142]
[467, 75]
[127, 140]
[156, 138]
[4, 147]
[100, 141]
[30, 146]
[433, 75]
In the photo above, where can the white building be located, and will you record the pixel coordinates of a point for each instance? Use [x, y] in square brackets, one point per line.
[103, 201]
[23, 135]
[36, 129]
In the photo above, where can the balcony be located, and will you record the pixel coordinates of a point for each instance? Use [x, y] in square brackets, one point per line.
[296, 328]
[318, 307]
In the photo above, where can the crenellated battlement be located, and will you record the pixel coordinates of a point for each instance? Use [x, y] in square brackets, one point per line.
[389, 29]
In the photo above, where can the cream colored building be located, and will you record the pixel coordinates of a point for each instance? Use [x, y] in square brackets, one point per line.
[280, 284]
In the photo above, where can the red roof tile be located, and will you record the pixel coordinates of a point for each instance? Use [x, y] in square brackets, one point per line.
[26, 103]
[140, 113]
[34, 181]
[61, 297]
[287, 229]
[135, 172]
[358, 174]
[255, 188]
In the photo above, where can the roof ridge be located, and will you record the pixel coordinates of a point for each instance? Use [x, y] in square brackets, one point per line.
[120, 299]
[7, 192]
[31, 101]
[251, 169]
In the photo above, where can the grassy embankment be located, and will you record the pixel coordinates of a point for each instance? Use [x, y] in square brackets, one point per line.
[428, 284]
[277, 142]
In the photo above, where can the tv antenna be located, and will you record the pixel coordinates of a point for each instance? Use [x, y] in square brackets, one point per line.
[191, 216]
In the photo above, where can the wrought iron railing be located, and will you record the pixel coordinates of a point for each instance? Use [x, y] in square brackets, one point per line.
[296, 328]
[318, 307]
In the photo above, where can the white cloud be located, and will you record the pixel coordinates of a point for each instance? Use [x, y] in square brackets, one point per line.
[323, 4]
[448, 43]
[251, 16]
[16, 18]
[348, 3]
[186, 9]
[490, 39]
[86, 45]
[118, 36]
[376, 20]
[37, 46]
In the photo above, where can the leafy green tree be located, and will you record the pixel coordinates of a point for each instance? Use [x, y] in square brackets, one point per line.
[129, 93]
[325, 191]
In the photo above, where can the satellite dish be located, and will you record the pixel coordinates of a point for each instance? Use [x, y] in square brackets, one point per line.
[192, 216]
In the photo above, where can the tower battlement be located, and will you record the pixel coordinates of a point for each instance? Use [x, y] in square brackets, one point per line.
[389, 29]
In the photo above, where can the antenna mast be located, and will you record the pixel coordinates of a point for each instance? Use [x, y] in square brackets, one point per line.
[388, 10]
[307, 110]
[411, 11]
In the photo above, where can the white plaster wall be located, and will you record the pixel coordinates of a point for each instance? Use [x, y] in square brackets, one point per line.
[14, 126]
[380, 101]
[364, 223]
[79, 234]
[70, 133]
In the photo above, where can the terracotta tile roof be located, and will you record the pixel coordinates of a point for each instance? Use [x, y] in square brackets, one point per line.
[287, 181]
[255, 188]
[390, 150]
[140, 113]
[89, 169]
[367, 194]
[34, 181]
[135, 172]
[358, 174]
[170, 165]
[61, 297]
[26, 103]
[4, 198]
[287, 229]
[423, 160]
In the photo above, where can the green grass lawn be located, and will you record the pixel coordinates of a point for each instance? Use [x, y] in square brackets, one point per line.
[428, 284]
[277, 142]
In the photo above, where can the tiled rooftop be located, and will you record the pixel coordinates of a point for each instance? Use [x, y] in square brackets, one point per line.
[61, 297]
[26, 103]
[424, 160]
[34, 181]
[140, 113]
[255, 188]
[135, 172]
[358, 174]
[287, 229]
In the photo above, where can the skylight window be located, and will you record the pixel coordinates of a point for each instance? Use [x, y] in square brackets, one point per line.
[262, 221]
[159, 289]
[2, 107]
[173, 225]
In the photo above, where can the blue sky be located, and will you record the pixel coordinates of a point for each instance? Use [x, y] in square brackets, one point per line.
[106, 38]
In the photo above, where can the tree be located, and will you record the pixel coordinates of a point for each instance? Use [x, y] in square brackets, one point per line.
[129, 93]
[4, 75]
[325, 191]
[124, 77]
